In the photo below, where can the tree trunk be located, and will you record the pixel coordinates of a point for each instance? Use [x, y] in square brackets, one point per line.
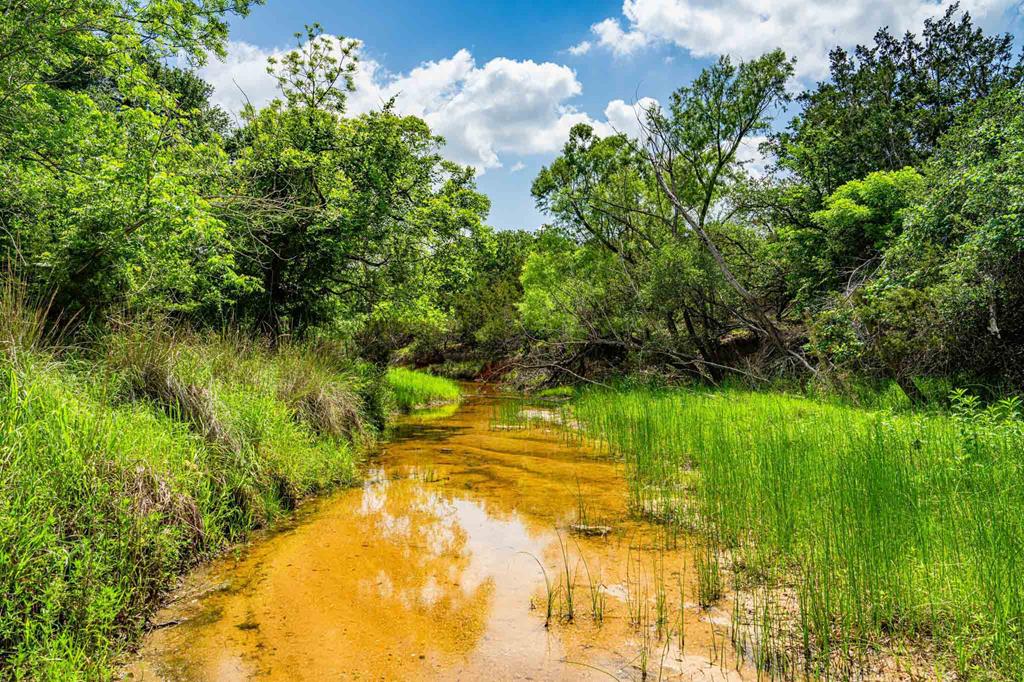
[907, 385]
[713, 370]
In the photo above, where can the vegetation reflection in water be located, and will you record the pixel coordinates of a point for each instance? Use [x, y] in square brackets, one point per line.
[436, 568]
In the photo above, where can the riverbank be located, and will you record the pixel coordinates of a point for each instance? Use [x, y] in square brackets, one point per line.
[126, 462]
[858, 530]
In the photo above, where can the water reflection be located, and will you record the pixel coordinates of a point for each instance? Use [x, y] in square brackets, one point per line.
[430, 571]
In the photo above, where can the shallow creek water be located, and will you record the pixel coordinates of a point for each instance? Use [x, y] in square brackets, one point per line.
[430, 571]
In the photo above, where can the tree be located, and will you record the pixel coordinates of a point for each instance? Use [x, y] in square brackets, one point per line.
[886, 105]
[692, 151]
[101, 157]
[318, 73]
[483, 298]
[944, 291]
[844, 243]
[963, 247]
[603, 194]
[341, 218]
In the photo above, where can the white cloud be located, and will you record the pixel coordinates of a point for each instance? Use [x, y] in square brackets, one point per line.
[629, 118]
[502, 107]
[517, 166]
[610, 34]
[580, 49]
[241, 77]
[749, 154]
[748, 28]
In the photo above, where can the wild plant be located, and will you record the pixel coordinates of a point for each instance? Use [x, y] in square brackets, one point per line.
[550, 591]
[568, 586]
[596, 591]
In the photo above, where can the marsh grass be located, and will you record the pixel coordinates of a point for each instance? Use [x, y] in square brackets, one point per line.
[414, 390]
[891, 523]
[550, 591]
[596, 590]
[568, 591]
[709, 576]
[523, 412]
[661, 615]
[681, 612]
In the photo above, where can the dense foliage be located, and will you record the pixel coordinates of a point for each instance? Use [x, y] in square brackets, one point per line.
[885, 241]
[125, 189]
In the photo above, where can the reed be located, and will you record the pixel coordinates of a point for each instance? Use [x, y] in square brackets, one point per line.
[550, 591]
[709, 576]
[596, 590]
[661, 618]
[568, 585]
[891, 522]
[414, 390]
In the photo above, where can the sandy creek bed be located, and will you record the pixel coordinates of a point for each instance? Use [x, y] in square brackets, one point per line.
[429, 571]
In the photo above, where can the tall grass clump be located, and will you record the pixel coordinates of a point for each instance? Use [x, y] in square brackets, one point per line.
[128, 460]
[893, 524]
[413, 389]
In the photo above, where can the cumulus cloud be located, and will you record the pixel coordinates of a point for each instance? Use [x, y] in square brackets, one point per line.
[580, 49]
[505, 106]
[517, 166]
[629, 118]
[610, 34]
[748, 28]
[749, 154]
[241, 77]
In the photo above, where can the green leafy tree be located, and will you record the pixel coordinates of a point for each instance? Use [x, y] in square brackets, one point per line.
[944, 293]
[692, 150]
[886, 105]
[483, 299]
[343, 218]
[604, 195]
[102, 160]
[318, 74]
[964, 246]
[844, 243]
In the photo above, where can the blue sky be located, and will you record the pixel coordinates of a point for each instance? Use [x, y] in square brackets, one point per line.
[503, 81]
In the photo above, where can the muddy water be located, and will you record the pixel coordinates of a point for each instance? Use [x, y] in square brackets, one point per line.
[431, 570]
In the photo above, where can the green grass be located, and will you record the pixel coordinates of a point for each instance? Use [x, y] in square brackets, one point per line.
[122, 467]
[414, 390]
[557, 392]
[892, 524]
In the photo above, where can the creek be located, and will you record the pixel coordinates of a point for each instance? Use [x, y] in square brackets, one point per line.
[432, 570]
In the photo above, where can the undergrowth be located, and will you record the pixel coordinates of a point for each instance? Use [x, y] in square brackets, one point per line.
[127, 460]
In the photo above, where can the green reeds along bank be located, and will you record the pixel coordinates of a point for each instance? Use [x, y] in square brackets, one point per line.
[417, 389]
[124, 464]
[894, 525]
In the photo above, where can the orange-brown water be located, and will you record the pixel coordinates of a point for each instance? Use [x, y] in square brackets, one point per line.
[431, 570]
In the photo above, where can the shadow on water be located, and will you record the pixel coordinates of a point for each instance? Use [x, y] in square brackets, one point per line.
[425, 431]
